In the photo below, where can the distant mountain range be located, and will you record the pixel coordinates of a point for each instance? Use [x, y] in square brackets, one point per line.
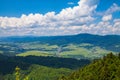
[108, 42]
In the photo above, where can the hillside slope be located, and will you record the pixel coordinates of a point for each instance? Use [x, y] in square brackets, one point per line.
[107, 68]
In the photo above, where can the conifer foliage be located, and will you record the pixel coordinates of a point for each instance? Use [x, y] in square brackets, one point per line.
[107, 68]
[17, 73]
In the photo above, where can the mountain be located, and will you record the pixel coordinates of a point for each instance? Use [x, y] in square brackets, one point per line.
[79, 46]
[109, 42]
[107, 68]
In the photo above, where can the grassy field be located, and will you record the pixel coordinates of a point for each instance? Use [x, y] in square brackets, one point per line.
[35, 53]
[81, 50]
[69, 51]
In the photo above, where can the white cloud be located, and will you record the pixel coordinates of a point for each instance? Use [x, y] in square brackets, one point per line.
[71, 3]
[111, 10]
[81, 13]
[79, 19]
[107, 17]
[38, 23]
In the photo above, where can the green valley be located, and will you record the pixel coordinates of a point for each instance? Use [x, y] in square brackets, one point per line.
[60, 57]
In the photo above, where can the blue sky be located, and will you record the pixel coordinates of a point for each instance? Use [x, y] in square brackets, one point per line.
[18, 7]
[59, 17]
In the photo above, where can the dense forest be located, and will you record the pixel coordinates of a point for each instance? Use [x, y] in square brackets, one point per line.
[107, 68]
[38, 68]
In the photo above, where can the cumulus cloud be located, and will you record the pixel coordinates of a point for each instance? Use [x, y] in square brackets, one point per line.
[81, 14]
[50, 22]
[107, 17]
[72, 20]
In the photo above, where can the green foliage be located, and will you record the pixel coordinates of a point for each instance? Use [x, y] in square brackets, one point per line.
[26, 78]
[45, 73]
[107, 68]
[17, 73]
[19, 76]
[37, 72]
[56, 67]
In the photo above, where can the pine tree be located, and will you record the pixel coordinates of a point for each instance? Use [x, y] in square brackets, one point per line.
[63, 78]
[26, 78]
[17, 73]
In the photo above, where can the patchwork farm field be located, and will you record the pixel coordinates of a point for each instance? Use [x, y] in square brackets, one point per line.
[80, 51]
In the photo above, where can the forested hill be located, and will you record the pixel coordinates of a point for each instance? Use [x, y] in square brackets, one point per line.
[109, 42]
[8, 64]
[38, 67]
[107, 68]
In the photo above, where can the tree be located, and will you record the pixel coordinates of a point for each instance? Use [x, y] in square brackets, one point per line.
[26, 78]
[17, 73]
[1, 77]
[63, 78]
[119, 55]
